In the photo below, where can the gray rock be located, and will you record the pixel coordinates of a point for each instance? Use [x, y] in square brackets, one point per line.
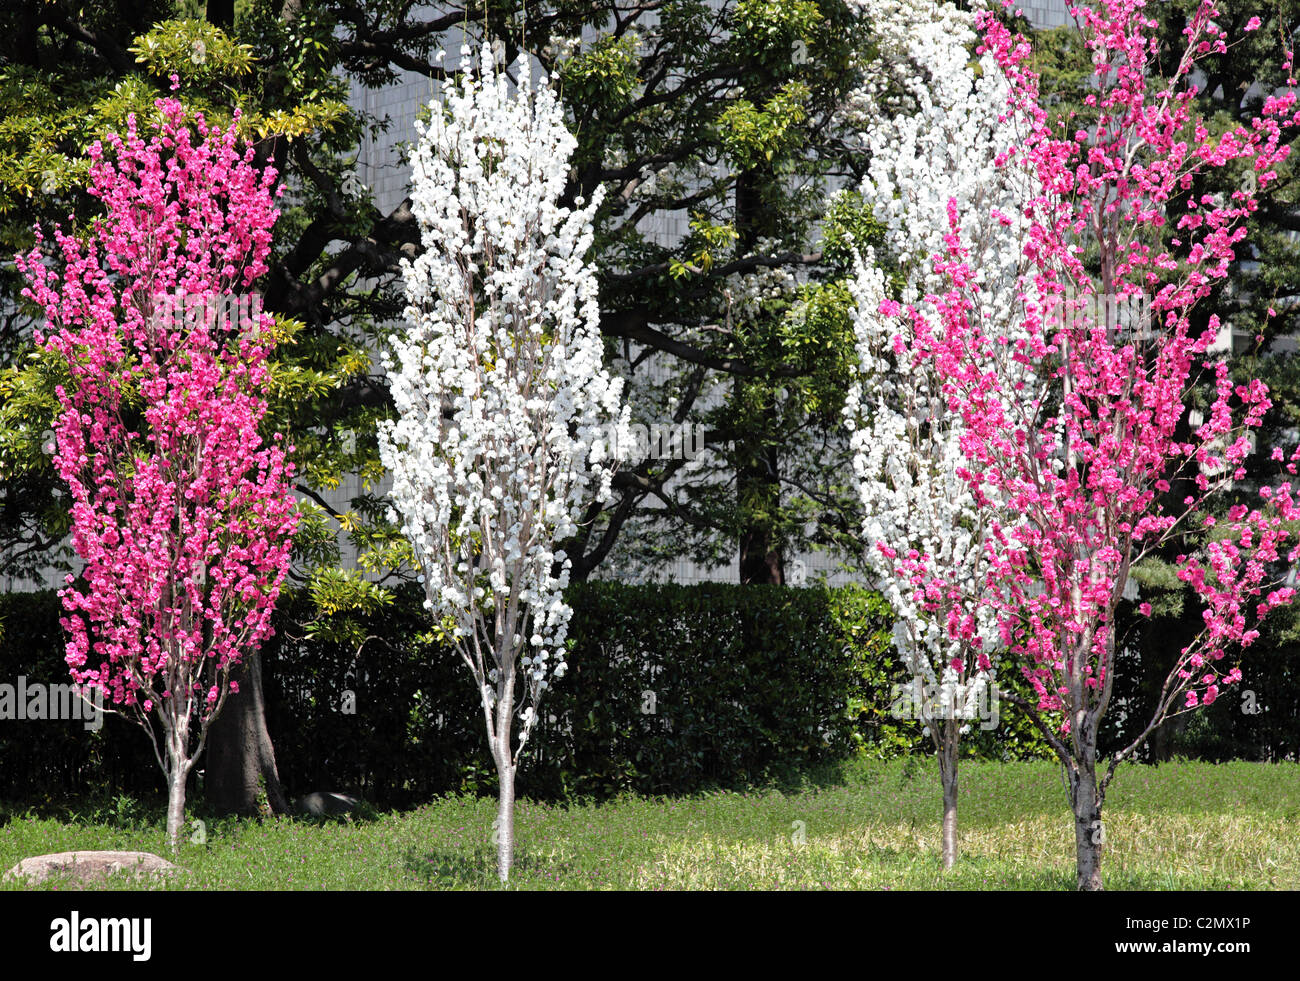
[90, 867]
[323, 804]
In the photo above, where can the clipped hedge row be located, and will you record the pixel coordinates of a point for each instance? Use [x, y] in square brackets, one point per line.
[670, 689]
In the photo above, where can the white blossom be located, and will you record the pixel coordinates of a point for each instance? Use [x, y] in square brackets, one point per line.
[936, 137]
[502, 397]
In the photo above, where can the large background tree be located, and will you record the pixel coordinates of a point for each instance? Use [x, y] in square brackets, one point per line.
[722, 114]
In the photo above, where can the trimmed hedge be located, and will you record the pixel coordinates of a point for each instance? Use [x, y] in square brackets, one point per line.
[670, 689]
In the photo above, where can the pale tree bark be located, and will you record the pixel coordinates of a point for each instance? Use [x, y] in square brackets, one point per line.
[948, 748]
[1085, 801]
[175, 807]
[178, 771]
[504, 831]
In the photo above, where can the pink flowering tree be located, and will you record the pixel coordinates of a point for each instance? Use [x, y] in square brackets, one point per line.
[182, 513]
[1089, 451]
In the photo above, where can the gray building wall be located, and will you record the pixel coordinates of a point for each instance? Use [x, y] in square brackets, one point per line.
[1045, 14]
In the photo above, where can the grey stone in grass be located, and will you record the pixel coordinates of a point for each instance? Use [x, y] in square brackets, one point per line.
[323, 804]
[89, 867]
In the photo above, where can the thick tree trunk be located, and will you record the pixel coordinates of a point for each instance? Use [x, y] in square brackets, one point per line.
[240, 757]
[1088, 834]
[948, 777]
[758, 485]
[221, 13]
[759, 562]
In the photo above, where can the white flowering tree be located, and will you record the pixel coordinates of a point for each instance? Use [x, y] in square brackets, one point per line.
[931, 125]
[501, 395]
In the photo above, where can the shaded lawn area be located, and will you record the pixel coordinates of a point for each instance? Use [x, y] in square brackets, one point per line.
[865, 825]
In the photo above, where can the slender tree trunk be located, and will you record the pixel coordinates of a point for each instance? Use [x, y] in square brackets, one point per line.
[1088, 834]
[240, 756]
[505, 829]
[178, 773]
[505, 824]
[948, 777]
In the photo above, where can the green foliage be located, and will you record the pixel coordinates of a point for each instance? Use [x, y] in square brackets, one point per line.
[775, 25]
[850, 227]
[733, 123]
[753, 135]
[45, 759]
[33, 513]
[603, 78]
[41, 129]
[1159, 585]
[670, 688]
[192, 49]
[819, 330]
[706, 240]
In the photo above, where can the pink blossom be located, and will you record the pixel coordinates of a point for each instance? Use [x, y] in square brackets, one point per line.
[185, 527]
[1087, 479]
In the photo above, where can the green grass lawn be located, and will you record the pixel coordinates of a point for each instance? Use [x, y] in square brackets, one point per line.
[865, 826]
